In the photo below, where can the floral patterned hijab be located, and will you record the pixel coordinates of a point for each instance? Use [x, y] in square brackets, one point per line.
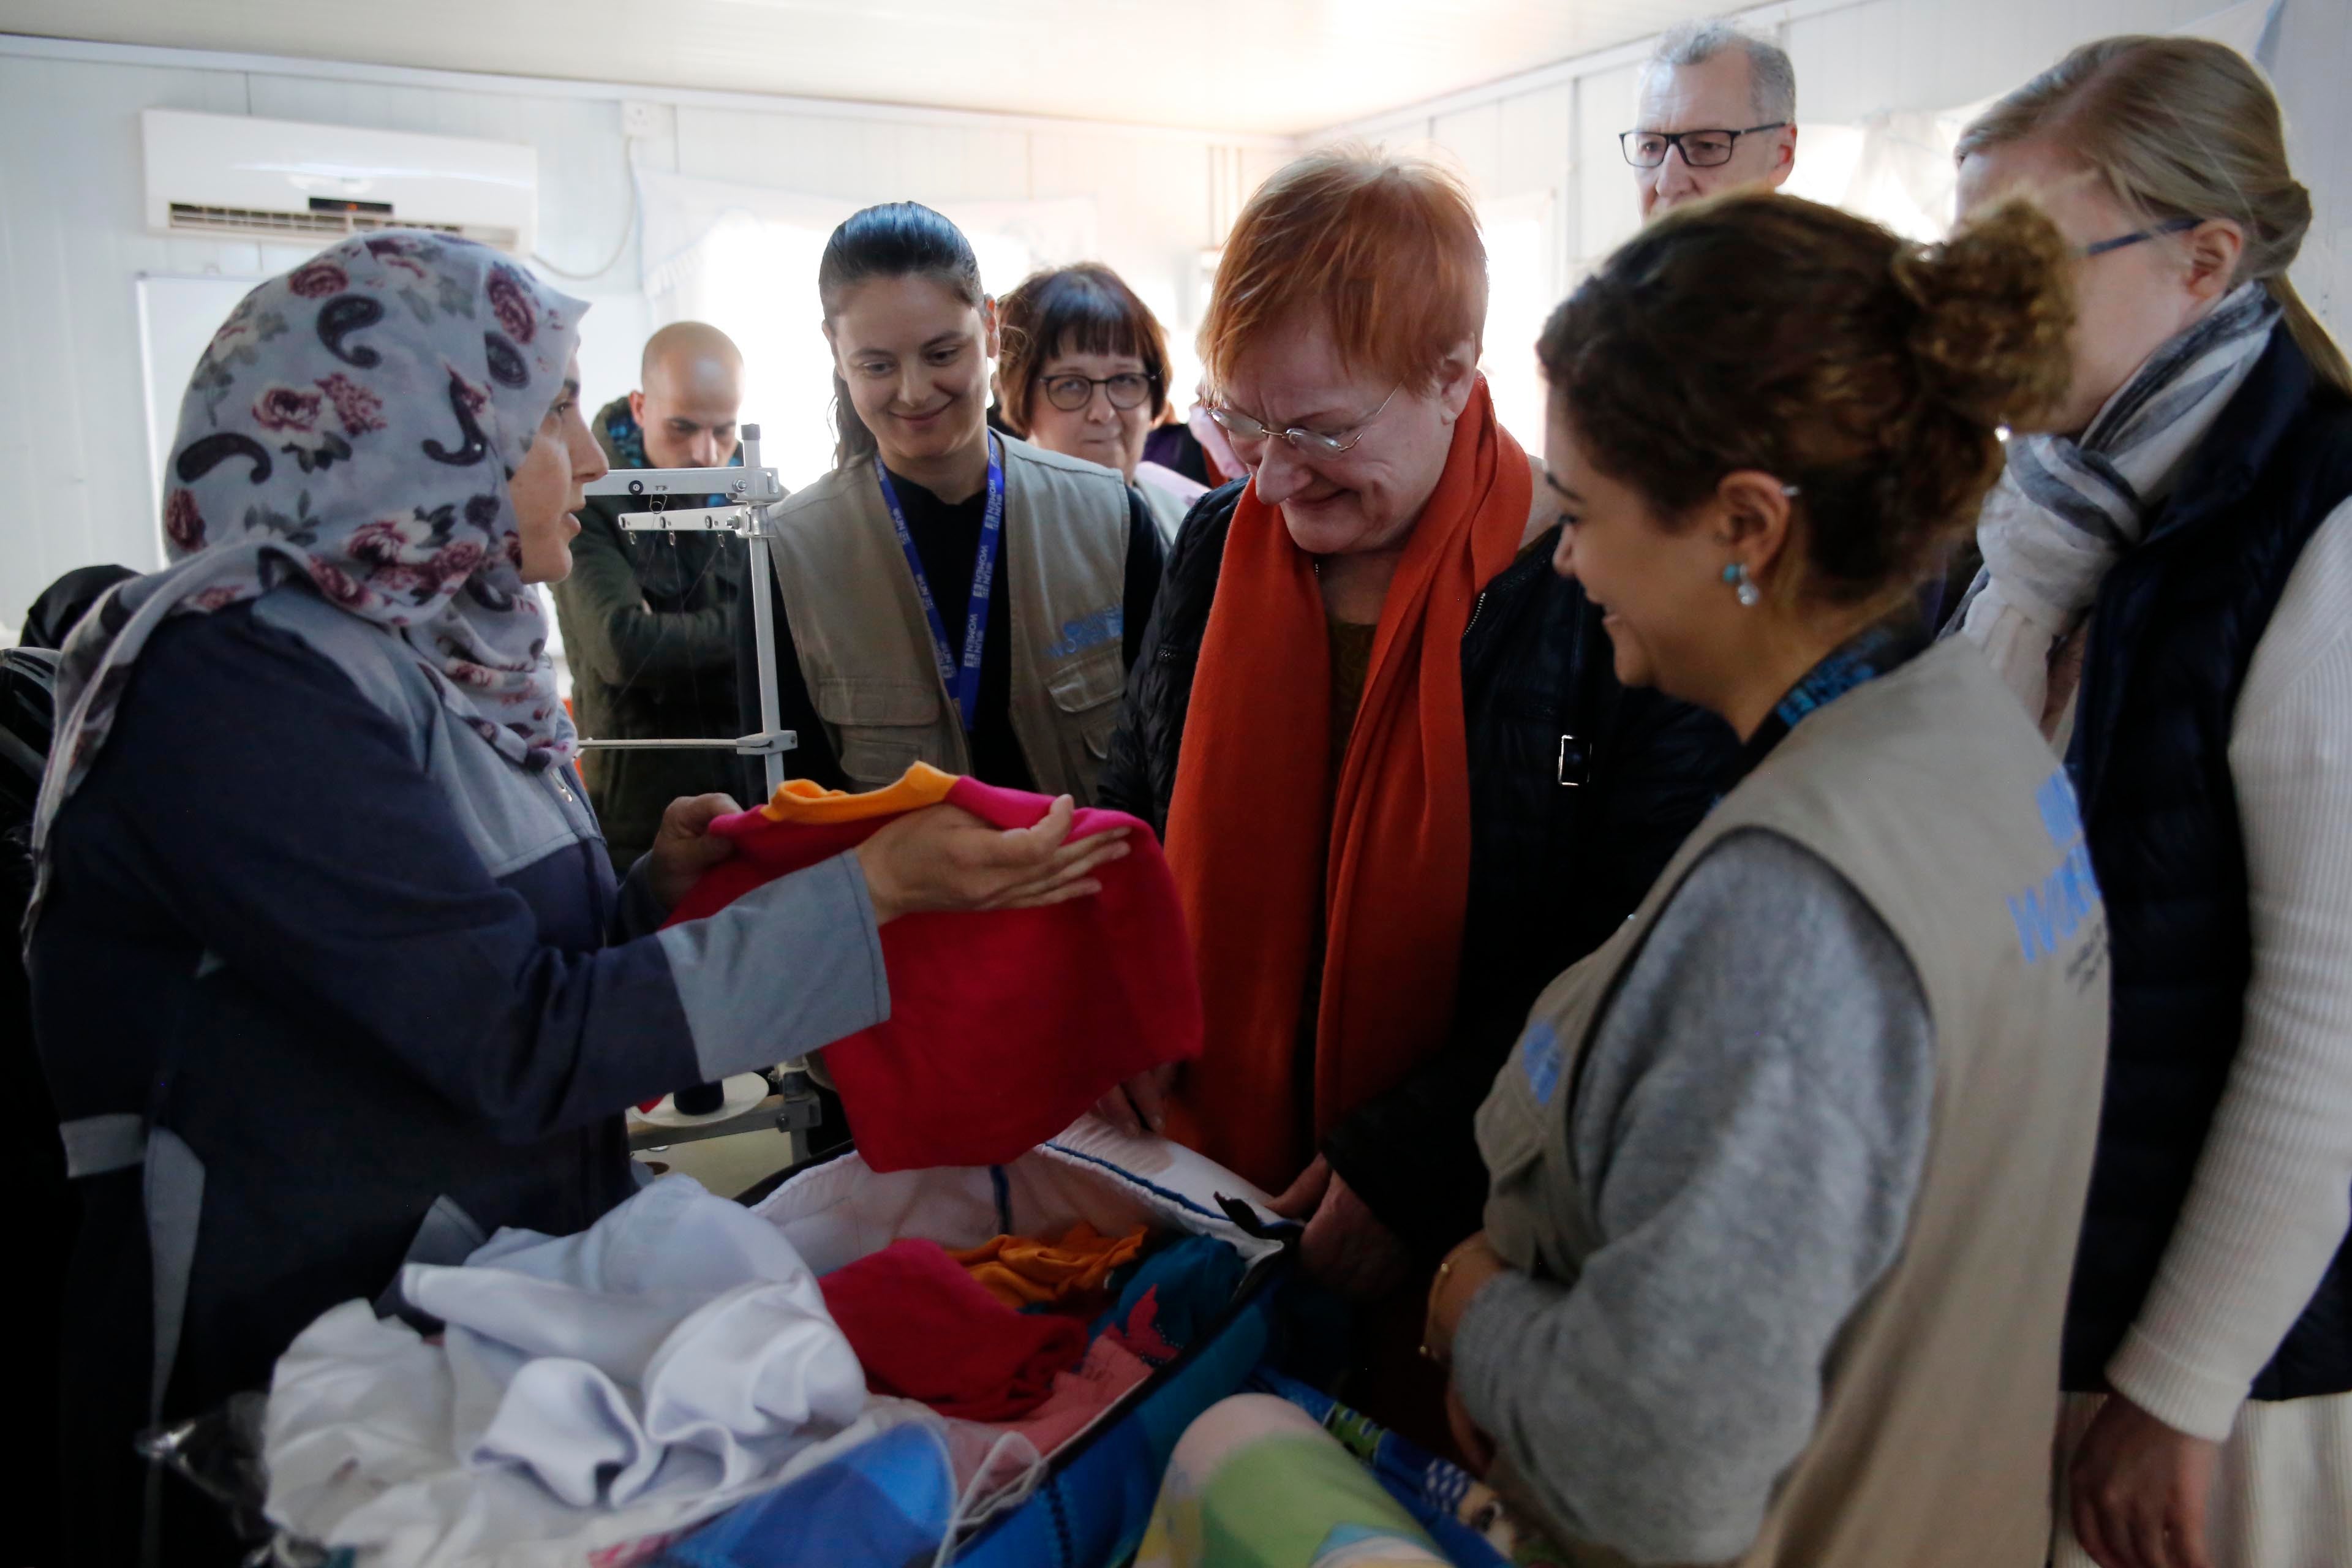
[355, 423]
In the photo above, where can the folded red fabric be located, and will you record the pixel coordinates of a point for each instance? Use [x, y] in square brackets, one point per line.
[925, 1329]
[1005, 1026]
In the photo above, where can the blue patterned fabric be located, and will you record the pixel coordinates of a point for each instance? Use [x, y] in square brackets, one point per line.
[883, 1503]
[1431, 1489]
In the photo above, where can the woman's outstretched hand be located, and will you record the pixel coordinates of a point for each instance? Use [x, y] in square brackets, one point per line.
[944, 859]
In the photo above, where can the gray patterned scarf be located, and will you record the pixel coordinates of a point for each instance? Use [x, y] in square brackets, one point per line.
[2066, 509]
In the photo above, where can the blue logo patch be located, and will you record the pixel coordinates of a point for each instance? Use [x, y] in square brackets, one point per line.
[1089, 631]
[1539, 1059]
[2061, 818]
[2053, 911]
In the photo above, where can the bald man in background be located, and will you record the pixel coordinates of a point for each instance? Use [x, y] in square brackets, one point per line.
[648, 619]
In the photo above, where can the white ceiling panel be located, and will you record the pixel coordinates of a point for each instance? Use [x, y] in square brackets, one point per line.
[1268, 66]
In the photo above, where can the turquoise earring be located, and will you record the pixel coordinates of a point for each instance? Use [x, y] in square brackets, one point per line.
[1742, 585]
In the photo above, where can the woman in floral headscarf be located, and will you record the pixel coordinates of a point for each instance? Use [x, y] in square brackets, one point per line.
[329, 968]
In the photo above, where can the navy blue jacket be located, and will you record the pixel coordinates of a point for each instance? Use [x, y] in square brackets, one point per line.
[2173, 633]
[324, 983]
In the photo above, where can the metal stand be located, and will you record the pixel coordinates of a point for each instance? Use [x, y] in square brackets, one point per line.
[752, 491]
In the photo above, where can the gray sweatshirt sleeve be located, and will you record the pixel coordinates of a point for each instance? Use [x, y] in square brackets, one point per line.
[1748, 1128]
[744, 975]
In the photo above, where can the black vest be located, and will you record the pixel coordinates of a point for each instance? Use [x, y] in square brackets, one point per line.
[2175, 628]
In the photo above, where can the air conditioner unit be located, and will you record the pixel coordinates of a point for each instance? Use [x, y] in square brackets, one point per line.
[226, 174]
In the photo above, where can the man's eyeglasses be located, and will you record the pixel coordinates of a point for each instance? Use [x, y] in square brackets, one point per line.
[1071, 393]
[1701, 149]
[2170, 225]
[1314, 443]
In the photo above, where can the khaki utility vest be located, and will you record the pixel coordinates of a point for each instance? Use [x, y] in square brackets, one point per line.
[1929, 791]
[865, 645]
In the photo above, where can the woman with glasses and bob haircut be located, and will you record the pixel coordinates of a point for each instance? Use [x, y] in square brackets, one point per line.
[1085, 373]
[1400, 786]
[2168, 588]
[945, 594]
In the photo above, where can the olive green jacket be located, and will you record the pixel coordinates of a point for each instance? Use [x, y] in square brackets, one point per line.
[649, 632]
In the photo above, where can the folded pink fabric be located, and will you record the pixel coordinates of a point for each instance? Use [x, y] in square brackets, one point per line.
[1085, 1392]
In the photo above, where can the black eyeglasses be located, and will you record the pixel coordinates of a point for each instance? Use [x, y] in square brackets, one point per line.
[1701, 149]
[2170, 226]
[1071, 393]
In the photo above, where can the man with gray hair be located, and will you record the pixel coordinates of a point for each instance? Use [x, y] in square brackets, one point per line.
[1717, 112]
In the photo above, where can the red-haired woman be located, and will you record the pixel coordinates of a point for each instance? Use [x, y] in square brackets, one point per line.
[1398, 782]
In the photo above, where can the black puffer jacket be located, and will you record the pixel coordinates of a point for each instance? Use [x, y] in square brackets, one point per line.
[1579, 792]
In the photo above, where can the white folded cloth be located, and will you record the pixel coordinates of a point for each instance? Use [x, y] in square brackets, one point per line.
[595, 1388]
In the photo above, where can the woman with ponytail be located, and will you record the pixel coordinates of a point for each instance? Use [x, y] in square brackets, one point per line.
[2168, 588]
[947, 595]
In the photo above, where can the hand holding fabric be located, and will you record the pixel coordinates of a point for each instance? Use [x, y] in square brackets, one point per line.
[945, 859]
[1346, 1246]
[2140, 1490]
[685, 847]
[1002, 1031]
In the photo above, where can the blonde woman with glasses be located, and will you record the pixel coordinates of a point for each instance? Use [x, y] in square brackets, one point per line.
[2168, 588]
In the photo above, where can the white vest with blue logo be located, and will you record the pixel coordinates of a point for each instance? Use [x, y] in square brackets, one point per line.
[1931, 793]
[864, 644]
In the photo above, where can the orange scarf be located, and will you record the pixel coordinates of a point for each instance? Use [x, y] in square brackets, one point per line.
[1247, 836]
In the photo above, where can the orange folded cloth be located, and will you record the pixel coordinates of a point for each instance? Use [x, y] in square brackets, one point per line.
[1021, 1271]
[806, 801]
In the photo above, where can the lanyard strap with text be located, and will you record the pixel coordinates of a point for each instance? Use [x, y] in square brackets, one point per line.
[961, 676]
[1865, 657]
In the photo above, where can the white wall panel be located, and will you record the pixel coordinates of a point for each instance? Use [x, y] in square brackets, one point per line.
[73, 244]
[2314, 55]
[72, 421]
[1534, 127]
[1472, 139]
[1607, 211]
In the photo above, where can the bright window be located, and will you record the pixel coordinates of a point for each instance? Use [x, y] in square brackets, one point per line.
[1523, 285]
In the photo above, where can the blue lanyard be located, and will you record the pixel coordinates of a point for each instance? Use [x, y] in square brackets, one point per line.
[961, 678]
[1865, 657]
